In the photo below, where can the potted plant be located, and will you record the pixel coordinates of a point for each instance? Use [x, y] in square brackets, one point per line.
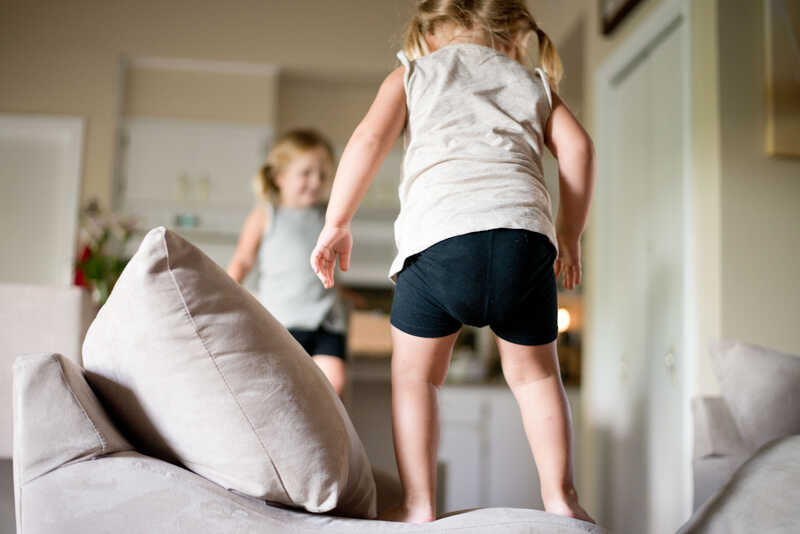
[103, 241]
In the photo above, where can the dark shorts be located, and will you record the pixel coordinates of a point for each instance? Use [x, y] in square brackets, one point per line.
[502, 278]
[321, 342]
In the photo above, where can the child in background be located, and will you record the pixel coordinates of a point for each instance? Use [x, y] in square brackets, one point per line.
[279, 234]
[476, 240]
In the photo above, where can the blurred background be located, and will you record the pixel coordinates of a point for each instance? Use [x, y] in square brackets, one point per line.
[122, 116]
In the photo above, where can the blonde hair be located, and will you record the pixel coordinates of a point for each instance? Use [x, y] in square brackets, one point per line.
[501, 23]
[287, 148]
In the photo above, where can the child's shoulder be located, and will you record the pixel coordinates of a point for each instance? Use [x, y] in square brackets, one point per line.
[471, 55]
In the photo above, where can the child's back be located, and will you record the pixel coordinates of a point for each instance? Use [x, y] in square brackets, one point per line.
[475, 235]
[474, 143]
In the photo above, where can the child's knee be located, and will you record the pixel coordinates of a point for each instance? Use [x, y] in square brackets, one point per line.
[522, 371]
[415, 376]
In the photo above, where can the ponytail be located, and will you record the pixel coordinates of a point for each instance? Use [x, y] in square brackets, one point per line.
[549, 58]
[264, 184]
[415, 46]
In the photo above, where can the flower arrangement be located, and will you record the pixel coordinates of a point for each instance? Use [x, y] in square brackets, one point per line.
[103, 241]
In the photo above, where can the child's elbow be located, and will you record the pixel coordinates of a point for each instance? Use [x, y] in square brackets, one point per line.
[366, 138]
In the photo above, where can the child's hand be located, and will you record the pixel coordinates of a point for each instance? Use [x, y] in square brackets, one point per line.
[332, 242]
[568, 261]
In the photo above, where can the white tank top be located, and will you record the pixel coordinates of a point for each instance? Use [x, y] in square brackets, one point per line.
[287, 285]
[474, 141]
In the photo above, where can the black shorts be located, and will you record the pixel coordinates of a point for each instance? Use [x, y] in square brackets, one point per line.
[321, 342]
[502, 278]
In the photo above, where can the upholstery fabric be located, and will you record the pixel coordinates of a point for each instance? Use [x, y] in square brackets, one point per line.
[60, 420]
[57, 420]
[37, 319]
[195, 371]
[128, 493]
[715, 431]
[710, 473]
[762, 496]
[762, 389]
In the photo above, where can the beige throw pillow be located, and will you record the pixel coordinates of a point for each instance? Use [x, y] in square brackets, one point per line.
[195, 370]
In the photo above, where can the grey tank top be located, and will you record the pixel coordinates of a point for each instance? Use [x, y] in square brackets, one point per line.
[474, 141]
[287, 285]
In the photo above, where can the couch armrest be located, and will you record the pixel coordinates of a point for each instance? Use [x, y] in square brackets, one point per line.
[37, 319]
[715, 431]
[57, 419]
[719, 449]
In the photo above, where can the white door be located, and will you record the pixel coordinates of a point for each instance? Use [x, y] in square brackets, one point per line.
[40, 173]
[638, 306]
[666, 299]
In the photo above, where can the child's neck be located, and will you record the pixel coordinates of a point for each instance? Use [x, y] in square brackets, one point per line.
[442, 39]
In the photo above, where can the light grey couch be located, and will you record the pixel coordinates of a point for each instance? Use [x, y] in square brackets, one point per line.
[746, 461]
[75, 473]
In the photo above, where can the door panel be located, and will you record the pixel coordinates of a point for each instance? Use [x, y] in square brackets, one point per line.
[638, 276]
[630, 172]
[665, 303]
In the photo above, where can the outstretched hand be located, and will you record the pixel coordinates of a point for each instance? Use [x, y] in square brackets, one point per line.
[568, 262]
[333, 242]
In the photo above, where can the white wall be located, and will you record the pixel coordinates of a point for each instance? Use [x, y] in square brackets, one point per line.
[760, 200]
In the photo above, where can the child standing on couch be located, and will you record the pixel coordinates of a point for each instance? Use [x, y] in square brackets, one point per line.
[475, 236]
[279, 234]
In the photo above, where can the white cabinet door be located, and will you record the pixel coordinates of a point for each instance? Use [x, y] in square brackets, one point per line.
[463, 448]
[487, 461]
[174, 166]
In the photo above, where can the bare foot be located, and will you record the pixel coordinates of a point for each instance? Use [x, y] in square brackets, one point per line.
[568, 508]
[405, 515]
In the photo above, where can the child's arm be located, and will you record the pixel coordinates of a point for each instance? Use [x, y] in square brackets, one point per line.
[573, 148]
[247, 250]
[365, 151]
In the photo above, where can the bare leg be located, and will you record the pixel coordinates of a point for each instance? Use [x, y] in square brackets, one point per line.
[532, 373]
[335, 369]
[419, 366]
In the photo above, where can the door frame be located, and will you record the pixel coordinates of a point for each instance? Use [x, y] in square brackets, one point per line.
[632, 50]
[69, 131]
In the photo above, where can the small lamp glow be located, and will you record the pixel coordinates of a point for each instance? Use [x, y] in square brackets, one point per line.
[564, 320]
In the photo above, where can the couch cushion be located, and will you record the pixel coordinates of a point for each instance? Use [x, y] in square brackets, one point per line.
[762, 389]
[711, 473]
[128, 493]
[197, 371]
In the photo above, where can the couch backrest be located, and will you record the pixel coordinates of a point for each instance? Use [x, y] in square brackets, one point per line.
[57, 419]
